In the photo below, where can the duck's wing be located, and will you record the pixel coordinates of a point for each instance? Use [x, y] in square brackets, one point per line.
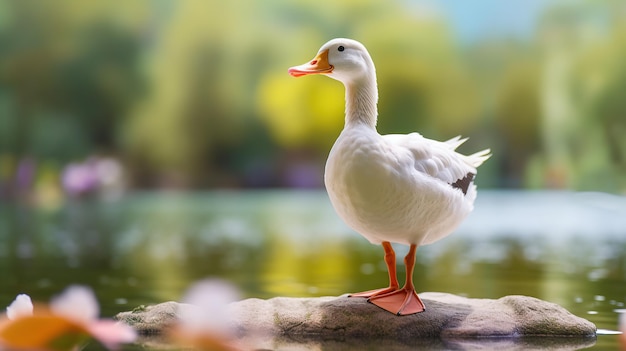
[439, 159]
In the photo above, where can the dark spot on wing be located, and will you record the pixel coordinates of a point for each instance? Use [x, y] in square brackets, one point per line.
[464, 183]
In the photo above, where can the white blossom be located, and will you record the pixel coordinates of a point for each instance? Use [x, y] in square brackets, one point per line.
[77, 303]
[20, 307]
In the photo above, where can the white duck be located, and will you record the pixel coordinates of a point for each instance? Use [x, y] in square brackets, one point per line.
[390, 188]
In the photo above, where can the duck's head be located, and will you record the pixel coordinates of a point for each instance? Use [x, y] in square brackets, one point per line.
[345, 60]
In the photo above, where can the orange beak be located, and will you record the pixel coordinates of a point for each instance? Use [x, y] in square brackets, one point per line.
[318, 65]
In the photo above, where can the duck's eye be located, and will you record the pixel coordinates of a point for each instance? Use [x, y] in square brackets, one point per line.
[341, 48]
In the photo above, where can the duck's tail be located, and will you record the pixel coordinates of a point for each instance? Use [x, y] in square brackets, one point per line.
[473, 160]
[477, 159]
[455, 142]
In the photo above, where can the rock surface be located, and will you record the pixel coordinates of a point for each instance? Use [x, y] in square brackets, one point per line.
[340, 319]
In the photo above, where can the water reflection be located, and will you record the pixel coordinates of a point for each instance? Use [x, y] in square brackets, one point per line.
[430, 344]
[566, 248]
[305, 343]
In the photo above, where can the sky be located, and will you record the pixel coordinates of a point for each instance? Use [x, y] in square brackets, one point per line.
[474, 19]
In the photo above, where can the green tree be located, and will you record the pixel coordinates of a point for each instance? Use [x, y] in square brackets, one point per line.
[67, 75]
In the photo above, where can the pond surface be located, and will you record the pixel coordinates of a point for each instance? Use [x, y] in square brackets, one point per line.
[567, 248]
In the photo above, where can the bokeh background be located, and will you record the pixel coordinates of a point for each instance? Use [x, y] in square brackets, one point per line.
[145, 145]
[123, 95]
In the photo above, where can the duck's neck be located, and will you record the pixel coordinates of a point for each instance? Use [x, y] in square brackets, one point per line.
[361, 101]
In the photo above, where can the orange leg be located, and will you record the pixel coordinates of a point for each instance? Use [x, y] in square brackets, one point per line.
[404, 301]
[390, 260]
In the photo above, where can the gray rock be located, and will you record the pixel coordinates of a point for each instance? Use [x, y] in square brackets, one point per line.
[449, 321]
[151, 320]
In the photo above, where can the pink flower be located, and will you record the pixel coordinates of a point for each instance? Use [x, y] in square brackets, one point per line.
[204, 319]
[67, 322]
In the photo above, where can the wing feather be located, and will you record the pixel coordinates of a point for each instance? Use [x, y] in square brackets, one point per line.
[439, 159]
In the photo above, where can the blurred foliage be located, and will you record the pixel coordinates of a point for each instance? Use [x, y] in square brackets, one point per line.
[195, 93]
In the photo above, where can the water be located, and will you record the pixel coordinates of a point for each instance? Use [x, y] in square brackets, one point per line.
[567, 248]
